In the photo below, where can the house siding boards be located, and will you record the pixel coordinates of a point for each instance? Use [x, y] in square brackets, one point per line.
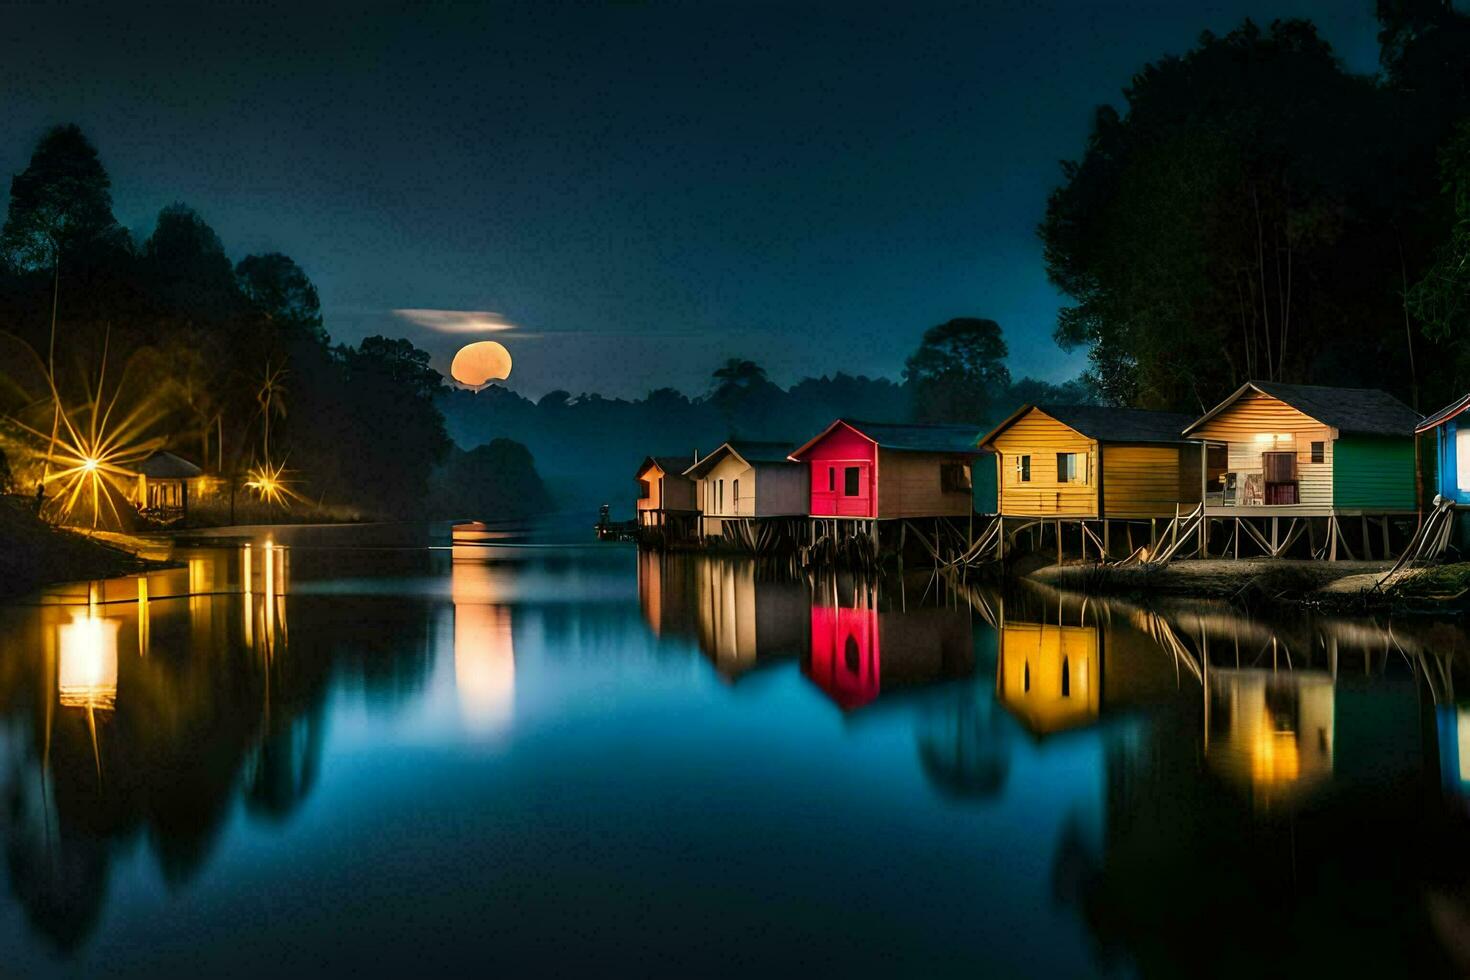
[751, 490]
[1258, 423]
[1373, 472]
[912, 485]
[1147, 481]
[1042, 437]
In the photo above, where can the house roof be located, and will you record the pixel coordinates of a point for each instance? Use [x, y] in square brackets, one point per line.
[1360, 411]
[1442, 416]
[906, 437]
[671, 465]
[750, 451]
[1107, 424]
[164, 465]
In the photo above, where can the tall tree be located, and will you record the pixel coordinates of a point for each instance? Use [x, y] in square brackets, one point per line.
[957, 370]
[1441, 299]
[278, 288]
[186, 266]
[1232, 222]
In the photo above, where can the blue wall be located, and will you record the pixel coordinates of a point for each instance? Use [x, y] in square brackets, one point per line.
[1445, 462]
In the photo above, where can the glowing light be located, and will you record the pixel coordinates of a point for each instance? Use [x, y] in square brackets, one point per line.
[477, 364]
[269, 485]
[484, 649]
[89, 465]
[87, 673]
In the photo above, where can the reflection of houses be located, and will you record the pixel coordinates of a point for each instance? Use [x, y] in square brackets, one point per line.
[746, 481]
[164, 484]
[744, 622]
[1049, 676]
[666, 497]
[860, 651]
[874, 470]
[1270, 730]
[666, 593]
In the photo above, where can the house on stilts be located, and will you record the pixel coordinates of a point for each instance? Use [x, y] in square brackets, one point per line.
[1286, 463]
[875, 472]
[749, 493]
[1103, 481]
[1447, 435]
[667, 505]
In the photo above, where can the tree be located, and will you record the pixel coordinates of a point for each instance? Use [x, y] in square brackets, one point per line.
[186, 266]
[1232, 223]
[957, 370]
[1441, 299]
[61, 204]
[278, 288]
[496, 480]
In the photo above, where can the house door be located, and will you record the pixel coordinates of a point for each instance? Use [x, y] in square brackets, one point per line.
[855, 489]
[1280, 478]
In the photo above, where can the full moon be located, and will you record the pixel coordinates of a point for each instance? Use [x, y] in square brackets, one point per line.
[480, 363]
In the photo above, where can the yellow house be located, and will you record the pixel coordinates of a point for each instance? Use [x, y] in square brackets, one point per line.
[1091, 461]
[665, 495]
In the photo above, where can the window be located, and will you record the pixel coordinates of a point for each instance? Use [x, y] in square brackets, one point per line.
[1066, 677]
[831, 479]
[1023, 469]
[643, 490]
[1319, 452]
[735, 496]
[852, 478]
[1071, 467]
[955, 477]
[720, 506]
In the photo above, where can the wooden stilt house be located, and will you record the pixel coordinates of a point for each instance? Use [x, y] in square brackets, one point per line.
[1308, 451]
[747, 481]
[1093, 462]
[666, 497]
[872, 470]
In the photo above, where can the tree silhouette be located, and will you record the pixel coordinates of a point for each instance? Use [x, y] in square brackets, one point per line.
[958, 368]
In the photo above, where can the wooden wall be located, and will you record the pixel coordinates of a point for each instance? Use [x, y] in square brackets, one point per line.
[1257, 424]
[1041, 437]
[1148, 481]
[911, 485]
[1374, 473]
[840, 447]
[783, 489]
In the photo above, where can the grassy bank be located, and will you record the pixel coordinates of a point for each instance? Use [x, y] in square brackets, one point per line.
[34, 554]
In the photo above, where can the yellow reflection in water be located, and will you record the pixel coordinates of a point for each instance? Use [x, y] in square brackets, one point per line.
[484, 652]
[1274, 731]
[87, 674]
[1049, 674]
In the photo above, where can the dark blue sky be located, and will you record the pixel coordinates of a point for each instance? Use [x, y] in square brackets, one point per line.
[641, 189]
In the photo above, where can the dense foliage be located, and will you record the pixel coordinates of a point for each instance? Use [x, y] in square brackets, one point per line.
[1254, 210]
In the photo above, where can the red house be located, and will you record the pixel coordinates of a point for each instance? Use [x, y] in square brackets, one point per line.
[880, 470]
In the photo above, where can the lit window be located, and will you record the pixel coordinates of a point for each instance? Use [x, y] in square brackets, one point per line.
[1071, 467]
[1023, 469]
[1462, 458]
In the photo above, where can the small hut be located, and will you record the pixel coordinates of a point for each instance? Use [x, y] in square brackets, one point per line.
[745, 481]
[666, 497]
[162, 491]
[1451, 451]
[1090, 461]
[874, 470]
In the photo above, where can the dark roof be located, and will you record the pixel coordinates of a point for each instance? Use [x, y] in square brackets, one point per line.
[671, 465]
[1107, 424]
[908, 437]
[1442, 416]
[166, 466]
[750, 451]
[1360, 411]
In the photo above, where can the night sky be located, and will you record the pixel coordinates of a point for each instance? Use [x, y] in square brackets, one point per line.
[639, 189]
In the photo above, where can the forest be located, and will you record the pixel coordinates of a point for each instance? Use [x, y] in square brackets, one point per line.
[1250, 209]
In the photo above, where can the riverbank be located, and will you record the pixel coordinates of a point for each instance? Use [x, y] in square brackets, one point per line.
[1342, 584]
[35, 554]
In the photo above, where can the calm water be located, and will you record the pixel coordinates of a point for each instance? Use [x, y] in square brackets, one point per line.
[343, 750]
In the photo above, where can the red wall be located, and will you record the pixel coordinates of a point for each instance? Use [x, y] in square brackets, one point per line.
[839, 449]
[845, 659]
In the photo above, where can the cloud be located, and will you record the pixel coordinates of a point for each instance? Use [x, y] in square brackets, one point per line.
[457, 321]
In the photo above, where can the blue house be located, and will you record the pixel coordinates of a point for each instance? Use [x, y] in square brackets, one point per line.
[1451, 428]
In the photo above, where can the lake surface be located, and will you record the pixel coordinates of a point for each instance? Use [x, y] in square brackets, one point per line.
[332, 750]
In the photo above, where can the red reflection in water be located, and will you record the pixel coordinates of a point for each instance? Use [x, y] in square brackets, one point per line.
[845, 656]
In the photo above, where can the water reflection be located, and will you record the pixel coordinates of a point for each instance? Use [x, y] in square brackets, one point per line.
[484, 648]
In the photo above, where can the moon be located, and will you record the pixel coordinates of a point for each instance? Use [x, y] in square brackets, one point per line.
[480, 363]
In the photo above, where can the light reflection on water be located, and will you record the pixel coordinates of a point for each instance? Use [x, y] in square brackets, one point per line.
[711, 764]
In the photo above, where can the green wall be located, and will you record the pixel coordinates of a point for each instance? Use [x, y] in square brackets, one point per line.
[1373, 473]
[983, 478]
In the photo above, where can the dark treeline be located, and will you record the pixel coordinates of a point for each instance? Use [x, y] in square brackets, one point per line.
[588, 446]
[228, 364]
[1254, 210]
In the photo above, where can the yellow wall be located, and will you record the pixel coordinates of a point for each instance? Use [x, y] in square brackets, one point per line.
[651, 478]
[1041, 649]
[1041, 437]
[1258, 423]
[1148, 481]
